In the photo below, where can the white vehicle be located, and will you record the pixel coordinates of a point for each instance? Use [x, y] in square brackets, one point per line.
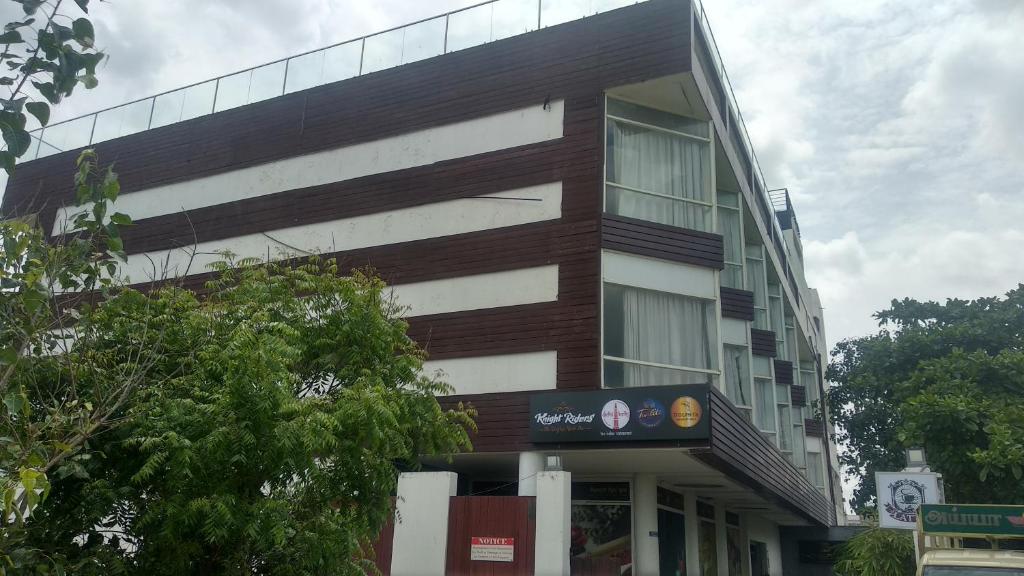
[967, 562]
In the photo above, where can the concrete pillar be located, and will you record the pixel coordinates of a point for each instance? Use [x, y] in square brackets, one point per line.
[421, 523]
[646, 559]
[692, 533]
[721, 541]
[530, 465]
[554, 530]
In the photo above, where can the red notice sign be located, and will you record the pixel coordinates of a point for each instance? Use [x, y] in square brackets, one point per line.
[487, 549]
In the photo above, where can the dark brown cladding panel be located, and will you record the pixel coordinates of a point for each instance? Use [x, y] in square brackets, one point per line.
[740, 450]
[660, 241]
[573, 61]
[798, 395]
[737, 304]
[783, 372]
[814, 427]
[503, 420]
[762, 342]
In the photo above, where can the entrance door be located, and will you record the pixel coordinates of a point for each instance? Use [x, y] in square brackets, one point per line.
[671, 543]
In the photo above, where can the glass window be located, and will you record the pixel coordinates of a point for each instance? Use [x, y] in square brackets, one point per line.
[799, 443]
[731, 229]
[601, 530]
[737, 375]
[653, 338]
[759, 565]
[785, 432]
[733, 540]
[815, 473]
[764, 415]
[756, 284]
[658, 167]
[708, 542]
[645, 115]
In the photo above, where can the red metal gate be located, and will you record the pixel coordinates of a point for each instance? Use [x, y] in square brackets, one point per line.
[490, 519]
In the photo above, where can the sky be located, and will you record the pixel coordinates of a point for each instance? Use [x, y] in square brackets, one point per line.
[897, 126]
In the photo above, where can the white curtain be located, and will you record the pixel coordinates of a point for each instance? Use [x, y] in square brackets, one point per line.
[737, 378]
[659, 162]
[667, 329]
[729, 228]
[765, 415]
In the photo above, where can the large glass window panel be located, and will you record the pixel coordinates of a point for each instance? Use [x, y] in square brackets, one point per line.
[764, 415]
[708, 540]
[815, 472]
[122, 121]
[734, 550]
[756, 284]
[659, 161]
[730, 227]
[267, 82]
[737, 375]
[655, 208]
[659, 327]
[785, 432]
[799, 441]
[305, 71]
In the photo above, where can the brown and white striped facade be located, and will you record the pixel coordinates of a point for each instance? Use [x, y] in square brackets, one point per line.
[473, 183]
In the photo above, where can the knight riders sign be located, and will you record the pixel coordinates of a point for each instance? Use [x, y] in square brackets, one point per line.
[625, 414]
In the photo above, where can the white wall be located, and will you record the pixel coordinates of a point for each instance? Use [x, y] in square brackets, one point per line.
[503, 373]
[660, 275]
[508, 288]
[421, 148]
[764, 530]
[394, 226]
[421, 523]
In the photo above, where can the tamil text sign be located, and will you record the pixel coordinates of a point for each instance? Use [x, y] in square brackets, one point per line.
[624, 414]
[973, 519]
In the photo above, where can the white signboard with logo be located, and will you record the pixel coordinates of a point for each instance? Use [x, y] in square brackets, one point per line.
[900, 494]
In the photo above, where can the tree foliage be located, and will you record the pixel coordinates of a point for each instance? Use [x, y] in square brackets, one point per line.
[877, 552]
[266, 434]
[45, 56]
[948, 377]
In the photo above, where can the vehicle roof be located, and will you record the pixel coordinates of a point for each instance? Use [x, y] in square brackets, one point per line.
[971, 557]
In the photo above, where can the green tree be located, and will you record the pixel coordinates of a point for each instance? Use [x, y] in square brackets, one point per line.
[271, 419]
[877, 552]
[45, 56]
[943, 376]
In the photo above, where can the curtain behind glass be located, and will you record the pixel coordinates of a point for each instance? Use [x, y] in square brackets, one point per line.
[663, 163]
[736, 376]
[667, 329]
[730, 227]
[765, 404]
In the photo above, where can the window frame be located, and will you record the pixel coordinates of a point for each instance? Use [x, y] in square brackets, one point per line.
[710, 141]
[714, 341]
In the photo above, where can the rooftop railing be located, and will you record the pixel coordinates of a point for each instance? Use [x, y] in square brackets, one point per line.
[456, 30]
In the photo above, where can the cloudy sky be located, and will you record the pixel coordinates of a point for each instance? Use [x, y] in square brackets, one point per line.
[898, 126]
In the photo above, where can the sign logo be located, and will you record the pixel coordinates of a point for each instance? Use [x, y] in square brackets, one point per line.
[686, 412]
[563, 414]
[906, 496]
[651, 413]
[615, 414]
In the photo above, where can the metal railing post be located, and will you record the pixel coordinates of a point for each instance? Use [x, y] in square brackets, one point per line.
[152, 107]
[284, 83]
[447, 17]
[92, 131]
[216, 90]
[362, 55]
[539, 2]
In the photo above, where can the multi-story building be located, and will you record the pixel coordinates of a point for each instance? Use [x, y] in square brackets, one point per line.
[570, 207]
